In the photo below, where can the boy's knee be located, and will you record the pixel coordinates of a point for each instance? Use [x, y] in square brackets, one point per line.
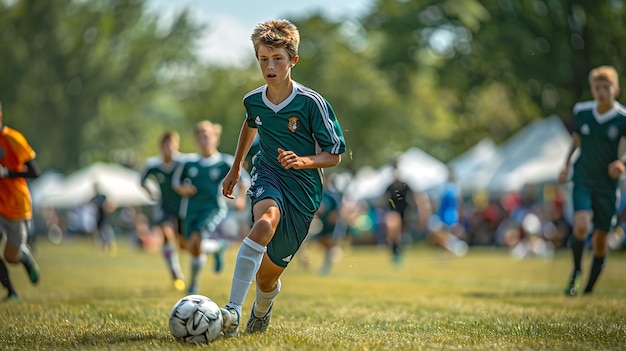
[262, 231]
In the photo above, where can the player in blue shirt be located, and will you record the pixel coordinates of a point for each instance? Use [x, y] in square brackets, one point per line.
[299, 135]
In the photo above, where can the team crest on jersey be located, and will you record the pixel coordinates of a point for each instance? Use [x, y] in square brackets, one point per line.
[612, 132]
[294, 124]
[584, 130]
[192, 172]
[215, 173]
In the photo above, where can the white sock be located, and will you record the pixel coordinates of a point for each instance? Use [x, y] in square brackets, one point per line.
[264, 300]
[171, 258]
[197, 262]
[248, 262]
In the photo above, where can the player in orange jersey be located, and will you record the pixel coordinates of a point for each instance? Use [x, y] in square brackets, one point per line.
[17, 162]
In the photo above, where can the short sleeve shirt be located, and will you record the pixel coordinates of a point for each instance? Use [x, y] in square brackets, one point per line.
[304, 123]
[15, 200]
[599, 141]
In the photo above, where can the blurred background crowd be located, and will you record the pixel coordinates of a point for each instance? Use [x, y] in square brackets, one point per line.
[477, 92]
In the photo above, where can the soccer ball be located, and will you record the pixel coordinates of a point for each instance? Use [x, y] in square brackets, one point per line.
[196, 319]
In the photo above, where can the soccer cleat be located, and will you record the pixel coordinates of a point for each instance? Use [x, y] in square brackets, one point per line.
[230, 321]
[179, 284]
[572, 285]
[258, 324]
[193, 289]
[11, 297]
[33, 272]
[398, 260]
[219, 257]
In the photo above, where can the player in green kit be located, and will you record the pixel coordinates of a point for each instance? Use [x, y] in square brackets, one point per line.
[600, 125]
[161, 169]
[299, 135]
[202, 207]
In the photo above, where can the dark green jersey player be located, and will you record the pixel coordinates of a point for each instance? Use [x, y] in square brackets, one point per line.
[299, 135]
[600, 126]
[303, 123]
[203, 208]
[161, 169]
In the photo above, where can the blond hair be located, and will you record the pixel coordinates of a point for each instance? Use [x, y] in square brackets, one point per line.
[276, 34]
[204, 125]
[607, 73]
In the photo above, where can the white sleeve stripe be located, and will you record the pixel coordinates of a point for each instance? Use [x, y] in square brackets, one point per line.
[323, 107]
[585, 105]
[255, 91]
[176, 176]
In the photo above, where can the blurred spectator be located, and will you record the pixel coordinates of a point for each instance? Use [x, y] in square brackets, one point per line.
[399, 197]
[445, 229]
[104, 235]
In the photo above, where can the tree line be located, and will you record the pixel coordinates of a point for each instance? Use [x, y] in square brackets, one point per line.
[100, 81]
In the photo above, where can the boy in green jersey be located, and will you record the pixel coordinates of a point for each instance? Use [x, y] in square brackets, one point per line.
[161, 169]
[202, 207]
[299, 135]
[600, 124]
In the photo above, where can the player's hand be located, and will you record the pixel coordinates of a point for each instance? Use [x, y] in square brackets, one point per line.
[289, 159]
[616, 168]
[229, 182]
[4, 172]
[563, 175]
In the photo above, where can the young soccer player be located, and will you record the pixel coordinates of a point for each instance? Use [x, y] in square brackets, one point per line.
[299, 135]
[600, 124]
[202, 206]
[162, 168]
[17, 162]
[398, 197]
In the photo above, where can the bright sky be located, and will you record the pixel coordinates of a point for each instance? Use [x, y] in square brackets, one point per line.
[230, 23]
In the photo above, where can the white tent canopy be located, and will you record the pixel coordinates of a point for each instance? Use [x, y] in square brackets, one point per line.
[120, 185]
[469, 165]
[534, 155]
[418, 169]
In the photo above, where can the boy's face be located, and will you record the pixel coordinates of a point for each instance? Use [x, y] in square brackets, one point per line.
[603, 90]
[275, 64]
[206, 138]
[169, 147]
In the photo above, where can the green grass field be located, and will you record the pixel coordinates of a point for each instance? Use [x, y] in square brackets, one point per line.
[483, 301]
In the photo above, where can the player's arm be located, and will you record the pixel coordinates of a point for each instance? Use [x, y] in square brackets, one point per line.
[180, 186]
[143, 182]
[30, 170]
[573, 148]
[246, 137]
[324, 159]
[328, 135]
[617, 167]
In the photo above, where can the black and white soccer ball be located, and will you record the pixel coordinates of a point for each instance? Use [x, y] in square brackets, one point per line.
[196, 319]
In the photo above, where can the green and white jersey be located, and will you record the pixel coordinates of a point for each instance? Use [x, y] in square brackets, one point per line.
[304, 123]
[162, 172]
[599, 140]
[206, 174]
